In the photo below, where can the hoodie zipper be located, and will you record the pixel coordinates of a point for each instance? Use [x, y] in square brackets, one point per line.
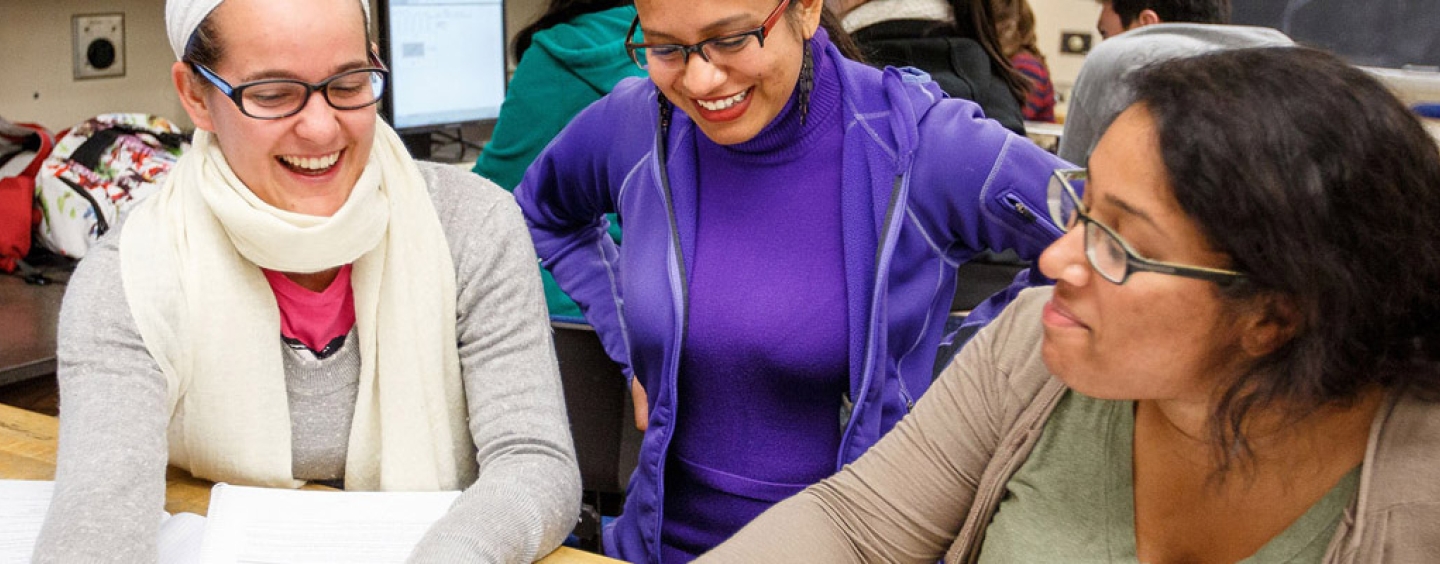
[901, 191]
[677, 280]
[1013, 200]
[1030, 213]
[882, 260]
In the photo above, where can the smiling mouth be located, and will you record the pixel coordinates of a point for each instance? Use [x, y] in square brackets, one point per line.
[310, 166]
[723, 103]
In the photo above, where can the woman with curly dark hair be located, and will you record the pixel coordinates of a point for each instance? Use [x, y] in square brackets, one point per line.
[1239, 359]
[566, 59]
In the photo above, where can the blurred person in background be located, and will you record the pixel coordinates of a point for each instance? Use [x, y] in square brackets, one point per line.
[569, 57]
[952, 40]
[1015, 25]
[1141, 32]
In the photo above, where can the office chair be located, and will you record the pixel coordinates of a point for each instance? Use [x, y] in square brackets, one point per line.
[601, 422]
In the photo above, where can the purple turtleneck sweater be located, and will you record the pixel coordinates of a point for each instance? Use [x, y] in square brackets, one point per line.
[764, 363]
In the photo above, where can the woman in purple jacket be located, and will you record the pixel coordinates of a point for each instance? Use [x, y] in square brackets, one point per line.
[792, 234]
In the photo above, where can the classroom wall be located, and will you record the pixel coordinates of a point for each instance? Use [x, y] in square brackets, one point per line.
[36, 83]
[35, 57]
[1053, 17]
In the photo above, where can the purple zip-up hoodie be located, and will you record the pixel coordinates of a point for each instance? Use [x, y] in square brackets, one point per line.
[928, 183]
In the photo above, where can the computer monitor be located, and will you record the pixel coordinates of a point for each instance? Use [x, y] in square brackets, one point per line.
[1395, 40]
[447, 65]
[1397, 34]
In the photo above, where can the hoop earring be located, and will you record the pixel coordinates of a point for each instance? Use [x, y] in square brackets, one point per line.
[807, 80]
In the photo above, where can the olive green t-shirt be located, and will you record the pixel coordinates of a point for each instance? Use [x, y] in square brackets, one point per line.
[1073, 499]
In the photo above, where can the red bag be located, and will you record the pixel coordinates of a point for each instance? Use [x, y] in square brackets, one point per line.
[18, 214]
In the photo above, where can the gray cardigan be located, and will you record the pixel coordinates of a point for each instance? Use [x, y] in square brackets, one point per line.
[110, 472]
[929, 489]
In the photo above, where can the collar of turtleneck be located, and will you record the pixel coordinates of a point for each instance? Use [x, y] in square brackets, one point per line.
[785, 138]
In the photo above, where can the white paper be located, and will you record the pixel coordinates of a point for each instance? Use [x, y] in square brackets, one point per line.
[180, 538]
[275, 526]
[22, 511]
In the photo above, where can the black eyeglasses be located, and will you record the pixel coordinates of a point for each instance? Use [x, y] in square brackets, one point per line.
[716, 50]
[282, 97]
[1107, 253]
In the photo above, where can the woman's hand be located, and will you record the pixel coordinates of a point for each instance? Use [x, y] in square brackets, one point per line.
[642, 404]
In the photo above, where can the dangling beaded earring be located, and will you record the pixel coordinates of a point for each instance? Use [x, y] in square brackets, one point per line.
[807, 81]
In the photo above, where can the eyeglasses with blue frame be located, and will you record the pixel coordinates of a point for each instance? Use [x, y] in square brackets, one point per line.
[278, 98]
[1113, 258]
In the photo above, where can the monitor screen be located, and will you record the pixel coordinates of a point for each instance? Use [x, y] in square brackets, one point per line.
[446, 60]
[1375, 33]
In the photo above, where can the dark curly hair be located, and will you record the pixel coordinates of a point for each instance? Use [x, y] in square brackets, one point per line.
[1325, 190]
[1174, 11]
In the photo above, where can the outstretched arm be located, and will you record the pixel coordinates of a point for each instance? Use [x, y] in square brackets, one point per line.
[110, 466]
[906, 498]
[527, 497]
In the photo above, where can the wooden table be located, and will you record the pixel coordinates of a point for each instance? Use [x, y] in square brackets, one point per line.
[28, 314]
[27, 452]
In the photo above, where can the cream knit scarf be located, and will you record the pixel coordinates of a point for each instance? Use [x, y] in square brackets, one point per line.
[190, 260]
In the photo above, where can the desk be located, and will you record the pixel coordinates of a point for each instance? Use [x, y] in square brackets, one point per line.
[27, 452]
[28, 315]
[1045, 134]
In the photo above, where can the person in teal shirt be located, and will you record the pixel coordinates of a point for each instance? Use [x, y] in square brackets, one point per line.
[569, 57]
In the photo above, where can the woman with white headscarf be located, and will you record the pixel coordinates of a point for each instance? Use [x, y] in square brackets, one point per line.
[303, 302]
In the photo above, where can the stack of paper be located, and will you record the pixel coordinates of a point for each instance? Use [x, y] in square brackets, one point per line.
[259, 525]
[27, 501]
[21, 516]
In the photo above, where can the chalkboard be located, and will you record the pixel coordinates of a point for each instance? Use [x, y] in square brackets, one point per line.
[1377, 33]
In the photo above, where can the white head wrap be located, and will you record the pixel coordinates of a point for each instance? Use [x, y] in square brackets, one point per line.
[183, 17]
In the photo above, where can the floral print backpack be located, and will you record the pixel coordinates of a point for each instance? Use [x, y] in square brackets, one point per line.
[98, 170]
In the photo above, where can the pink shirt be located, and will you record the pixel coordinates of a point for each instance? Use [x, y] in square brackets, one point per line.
[316, 319]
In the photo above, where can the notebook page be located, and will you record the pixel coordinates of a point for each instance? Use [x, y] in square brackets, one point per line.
[275, 526]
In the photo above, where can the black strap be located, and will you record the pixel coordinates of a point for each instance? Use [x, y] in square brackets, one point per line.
[31, 143]
[101, 226]
[90, 152]
[30, 274]
[5, 158]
